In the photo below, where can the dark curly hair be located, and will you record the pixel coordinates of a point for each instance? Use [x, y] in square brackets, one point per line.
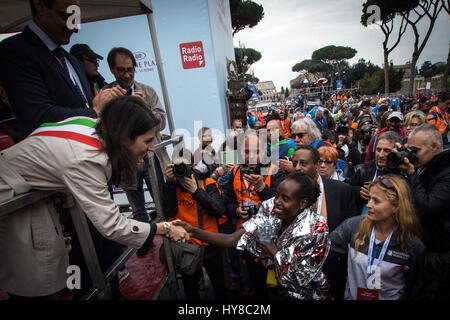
[308, 188]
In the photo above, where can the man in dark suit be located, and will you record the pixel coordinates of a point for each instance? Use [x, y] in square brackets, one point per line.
[43, 82]
[336, 203]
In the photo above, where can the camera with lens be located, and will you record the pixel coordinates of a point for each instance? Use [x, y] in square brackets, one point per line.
[394, 159]
[251, 170]
[251, 210]
[182, 170]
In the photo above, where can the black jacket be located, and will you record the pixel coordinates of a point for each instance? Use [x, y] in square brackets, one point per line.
[431, 193]
[340, 202]
[363, 173]
[37, 86]
[267, 193]
[340, 206]
[209, 199]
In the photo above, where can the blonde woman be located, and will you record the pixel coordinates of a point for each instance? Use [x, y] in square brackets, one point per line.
[413, 119]
[384, 252]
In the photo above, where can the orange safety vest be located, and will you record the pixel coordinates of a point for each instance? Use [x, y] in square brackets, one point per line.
[187, 211]
[339, 97]
[439, 119]
[345, 97]
[250, 194]
[285, 127]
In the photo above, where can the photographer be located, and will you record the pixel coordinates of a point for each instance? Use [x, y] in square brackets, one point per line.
[246, 191]
[189, 194]
[429, 179]
[367, 172]
[248, 185]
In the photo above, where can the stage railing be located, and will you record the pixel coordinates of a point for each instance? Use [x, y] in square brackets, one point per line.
[101, 288]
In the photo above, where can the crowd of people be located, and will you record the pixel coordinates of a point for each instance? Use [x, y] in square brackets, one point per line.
[382, 170]
[342, 200]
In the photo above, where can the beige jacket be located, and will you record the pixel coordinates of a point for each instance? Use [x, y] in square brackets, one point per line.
[33, 260]
[152, 100]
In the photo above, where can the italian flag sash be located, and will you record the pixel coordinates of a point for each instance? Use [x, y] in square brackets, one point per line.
[78, 129]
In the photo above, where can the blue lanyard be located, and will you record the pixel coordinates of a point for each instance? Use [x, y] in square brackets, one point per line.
[383, 251]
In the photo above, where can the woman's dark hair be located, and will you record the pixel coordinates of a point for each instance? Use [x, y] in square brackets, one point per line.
[123, 119]
[308, 188]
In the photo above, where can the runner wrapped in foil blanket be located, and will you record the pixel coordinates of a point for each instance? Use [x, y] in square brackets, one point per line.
[302, 249]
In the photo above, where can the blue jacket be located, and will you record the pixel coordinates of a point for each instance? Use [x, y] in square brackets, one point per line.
[322, 124]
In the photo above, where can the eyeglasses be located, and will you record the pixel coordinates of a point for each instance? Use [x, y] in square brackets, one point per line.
[95, 61]
[327, 162]
[386, 183]
[125, 70]
[413, 125]
[299, 135]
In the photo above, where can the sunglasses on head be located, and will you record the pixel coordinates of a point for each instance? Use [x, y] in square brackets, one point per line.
[298, 135]
[386, 183]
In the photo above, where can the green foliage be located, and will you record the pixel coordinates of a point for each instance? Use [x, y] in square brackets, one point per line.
[286, 93]
[296, 84]
[372, 83]
[311, 66]
[429, 70]
[335, 57]
[333, 54]
[250, 78]
[245, 14]
[357, 71]
[388, 9]
[245, 57]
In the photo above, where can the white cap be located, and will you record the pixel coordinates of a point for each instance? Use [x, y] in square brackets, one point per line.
[396, 114]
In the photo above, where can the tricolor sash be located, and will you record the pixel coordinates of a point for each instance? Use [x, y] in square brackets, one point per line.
[77, 129]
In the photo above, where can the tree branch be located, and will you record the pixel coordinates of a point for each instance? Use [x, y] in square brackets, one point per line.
[401, 31]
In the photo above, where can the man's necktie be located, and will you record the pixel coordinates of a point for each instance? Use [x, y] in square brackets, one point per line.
[60, 55]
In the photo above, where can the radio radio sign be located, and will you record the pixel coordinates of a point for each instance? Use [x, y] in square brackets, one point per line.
[192, 55]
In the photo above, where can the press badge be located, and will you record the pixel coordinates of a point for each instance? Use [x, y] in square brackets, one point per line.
[367, 294]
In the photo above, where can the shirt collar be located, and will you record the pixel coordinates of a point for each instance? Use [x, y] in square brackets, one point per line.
[51, 45]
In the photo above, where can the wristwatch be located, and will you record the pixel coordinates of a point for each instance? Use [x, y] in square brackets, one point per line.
[166, 227]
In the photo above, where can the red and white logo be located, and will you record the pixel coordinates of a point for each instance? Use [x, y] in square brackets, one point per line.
[192, 55]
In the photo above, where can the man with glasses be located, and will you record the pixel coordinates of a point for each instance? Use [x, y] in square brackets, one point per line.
[429, 179]
[122, 64]
[90, 62]
[44, 83]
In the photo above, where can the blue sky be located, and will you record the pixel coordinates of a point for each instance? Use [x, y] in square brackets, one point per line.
[292, 29]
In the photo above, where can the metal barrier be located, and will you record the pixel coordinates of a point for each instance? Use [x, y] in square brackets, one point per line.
[101, 289]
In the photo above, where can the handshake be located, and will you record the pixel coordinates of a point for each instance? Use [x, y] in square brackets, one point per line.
[178, 231]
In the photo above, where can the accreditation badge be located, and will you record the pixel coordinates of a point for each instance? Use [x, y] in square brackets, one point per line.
[367, 294]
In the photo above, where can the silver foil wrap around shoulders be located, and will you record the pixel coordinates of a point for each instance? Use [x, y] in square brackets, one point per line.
[301, 250]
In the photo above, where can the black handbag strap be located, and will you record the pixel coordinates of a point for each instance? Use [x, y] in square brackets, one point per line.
[199, 210]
